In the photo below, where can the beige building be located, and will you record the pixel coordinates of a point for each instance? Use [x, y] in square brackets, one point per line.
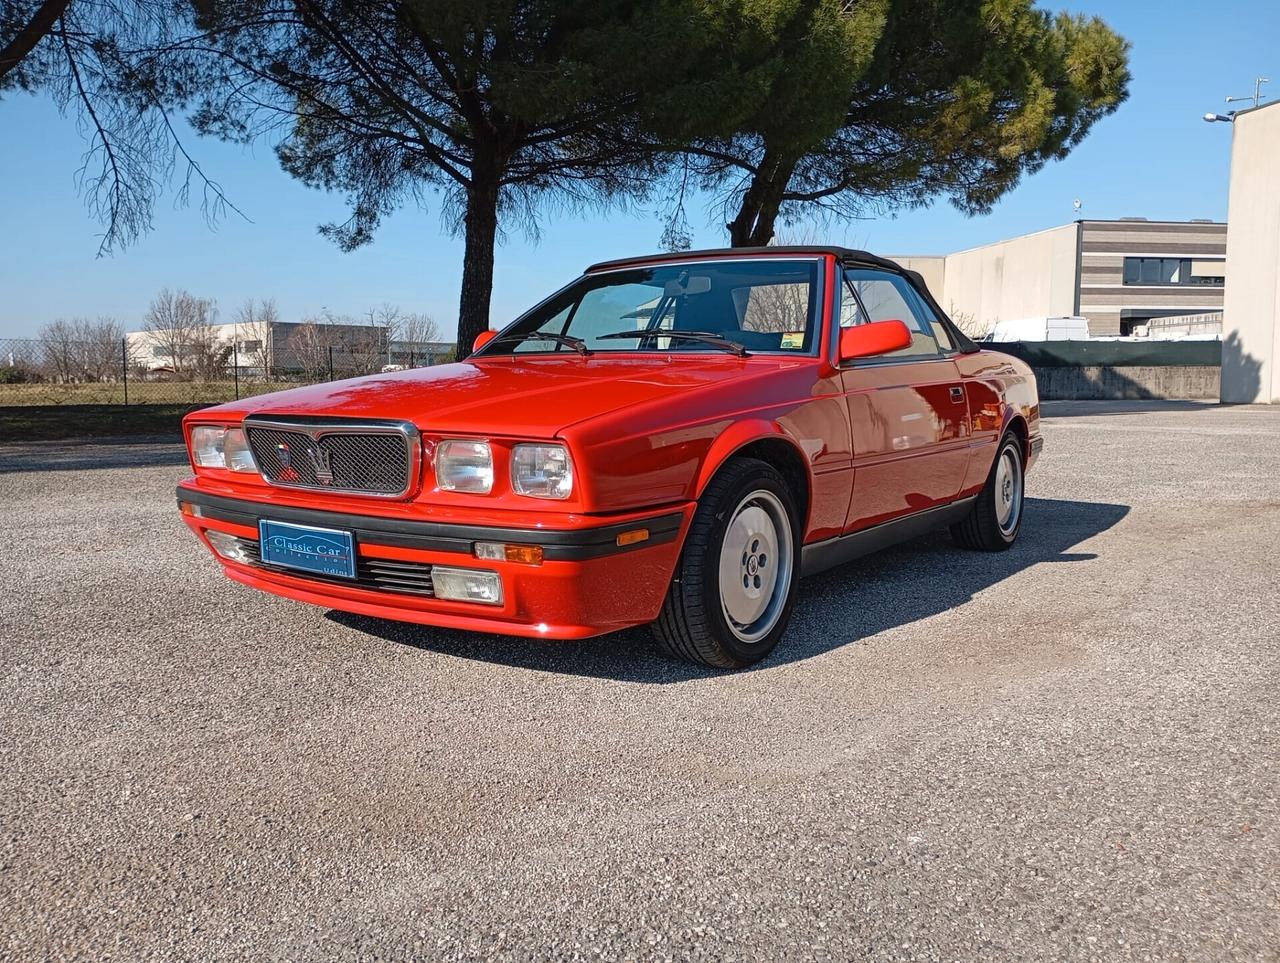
[1251, 319]
[281, 346]
[1118, 274]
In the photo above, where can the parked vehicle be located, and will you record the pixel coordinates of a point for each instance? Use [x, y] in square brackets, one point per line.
[1061, 328]
[672, 440]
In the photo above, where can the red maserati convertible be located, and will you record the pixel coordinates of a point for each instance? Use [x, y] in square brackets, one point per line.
[673, 440]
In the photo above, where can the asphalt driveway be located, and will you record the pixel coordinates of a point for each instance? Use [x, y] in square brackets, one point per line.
[1068, 751]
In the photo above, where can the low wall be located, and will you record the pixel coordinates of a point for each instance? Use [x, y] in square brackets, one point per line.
[1122, 370]
[1104, 383]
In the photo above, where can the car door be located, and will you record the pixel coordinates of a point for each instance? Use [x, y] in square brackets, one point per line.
[908, 411]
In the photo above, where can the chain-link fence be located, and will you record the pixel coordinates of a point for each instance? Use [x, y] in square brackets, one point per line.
[125, 371]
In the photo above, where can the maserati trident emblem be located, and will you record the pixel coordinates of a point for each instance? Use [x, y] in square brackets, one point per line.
[282, 452]
[320, 462]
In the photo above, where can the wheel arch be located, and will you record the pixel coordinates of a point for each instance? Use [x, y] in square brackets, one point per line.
[770, 444]
[1017, 424]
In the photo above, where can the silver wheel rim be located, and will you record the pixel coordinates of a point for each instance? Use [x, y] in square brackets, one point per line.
[756, 558]
[1008, 490]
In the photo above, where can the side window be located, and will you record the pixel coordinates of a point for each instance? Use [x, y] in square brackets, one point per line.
[940, 332]
[850, 310]
[888, 297]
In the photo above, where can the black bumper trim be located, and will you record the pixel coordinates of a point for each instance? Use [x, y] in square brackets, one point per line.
[563, 546]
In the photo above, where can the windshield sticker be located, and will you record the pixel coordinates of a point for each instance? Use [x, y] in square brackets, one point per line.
[792, 339]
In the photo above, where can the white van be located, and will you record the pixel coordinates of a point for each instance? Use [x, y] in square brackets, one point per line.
[1061, 328]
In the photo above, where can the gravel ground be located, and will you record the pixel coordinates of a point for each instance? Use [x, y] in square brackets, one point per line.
[1068, 751]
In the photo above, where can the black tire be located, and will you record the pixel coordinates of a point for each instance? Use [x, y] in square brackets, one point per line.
[694, 624]
[987, 528]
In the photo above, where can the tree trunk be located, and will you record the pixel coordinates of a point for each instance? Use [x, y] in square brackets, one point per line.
[35, 30]
[481, 230]
[758, 210]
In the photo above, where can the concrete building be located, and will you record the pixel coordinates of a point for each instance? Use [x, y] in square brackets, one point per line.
[1118, 274]
[1251, 318]
[283, 347]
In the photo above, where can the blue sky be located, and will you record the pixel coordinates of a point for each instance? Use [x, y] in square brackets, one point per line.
[1154, 158]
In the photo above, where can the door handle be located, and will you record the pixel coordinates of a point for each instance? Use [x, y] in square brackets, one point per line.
[957, 394]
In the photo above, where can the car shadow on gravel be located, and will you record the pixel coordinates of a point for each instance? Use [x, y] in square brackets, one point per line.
[840, 607]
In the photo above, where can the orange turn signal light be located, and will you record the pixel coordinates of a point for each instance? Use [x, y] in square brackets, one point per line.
[525, 554]
[634, 536]
[528, 554]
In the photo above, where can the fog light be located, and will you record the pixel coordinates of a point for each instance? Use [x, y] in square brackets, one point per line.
[228, 546]
[467, 585]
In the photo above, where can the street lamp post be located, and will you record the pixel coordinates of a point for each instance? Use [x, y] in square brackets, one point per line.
[1257, 97]
[1230, 116]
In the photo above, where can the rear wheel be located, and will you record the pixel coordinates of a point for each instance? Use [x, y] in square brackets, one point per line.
[993, 523]
[735, 582]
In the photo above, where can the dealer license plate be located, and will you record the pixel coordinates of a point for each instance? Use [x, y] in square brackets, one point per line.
[321, 551]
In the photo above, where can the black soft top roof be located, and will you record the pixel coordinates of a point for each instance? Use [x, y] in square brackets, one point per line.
[846, 254]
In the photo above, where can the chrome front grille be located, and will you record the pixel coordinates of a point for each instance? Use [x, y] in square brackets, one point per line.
[376, 458]
[381, 574]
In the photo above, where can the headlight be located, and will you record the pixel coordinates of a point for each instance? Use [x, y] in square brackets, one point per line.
[235, 448]
[542, 471]
[464, 466]
[221, 448]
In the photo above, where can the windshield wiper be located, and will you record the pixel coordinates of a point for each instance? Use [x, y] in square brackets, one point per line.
[568, 340]
[705, 337]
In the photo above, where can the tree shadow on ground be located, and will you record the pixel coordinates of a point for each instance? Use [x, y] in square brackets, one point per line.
[78, 455]
[845, 605]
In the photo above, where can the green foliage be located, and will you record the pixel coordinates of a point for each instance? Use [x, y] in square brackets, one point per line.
[17, 375]
[381, 98]
[957, 98]
[495, 106]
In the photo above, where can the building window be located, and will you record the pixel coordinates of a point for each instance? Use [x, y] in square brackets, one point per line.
[1155, 271]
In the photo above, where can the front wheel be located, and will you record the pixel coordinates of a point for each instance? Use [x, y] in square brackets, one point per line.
[993, 523]
[735, 582]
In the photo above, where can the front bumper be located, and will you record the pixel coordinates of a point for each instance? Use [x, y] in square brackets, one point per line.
[1034, 447]
[587, 584]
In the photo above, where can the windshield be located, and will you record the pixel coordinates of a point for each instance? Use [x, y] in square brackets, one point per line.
[764, 305]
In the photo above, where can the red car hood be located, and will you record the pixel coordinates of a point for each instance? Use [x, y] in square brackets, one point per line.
[534, 397]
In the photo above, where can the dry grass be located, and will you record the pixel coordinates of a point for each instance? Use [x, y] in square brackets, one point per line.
[143, 392]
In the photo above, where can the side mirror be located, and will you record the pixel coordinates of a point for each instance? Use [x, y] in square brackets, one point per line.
[869, 340]
[483, 338]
